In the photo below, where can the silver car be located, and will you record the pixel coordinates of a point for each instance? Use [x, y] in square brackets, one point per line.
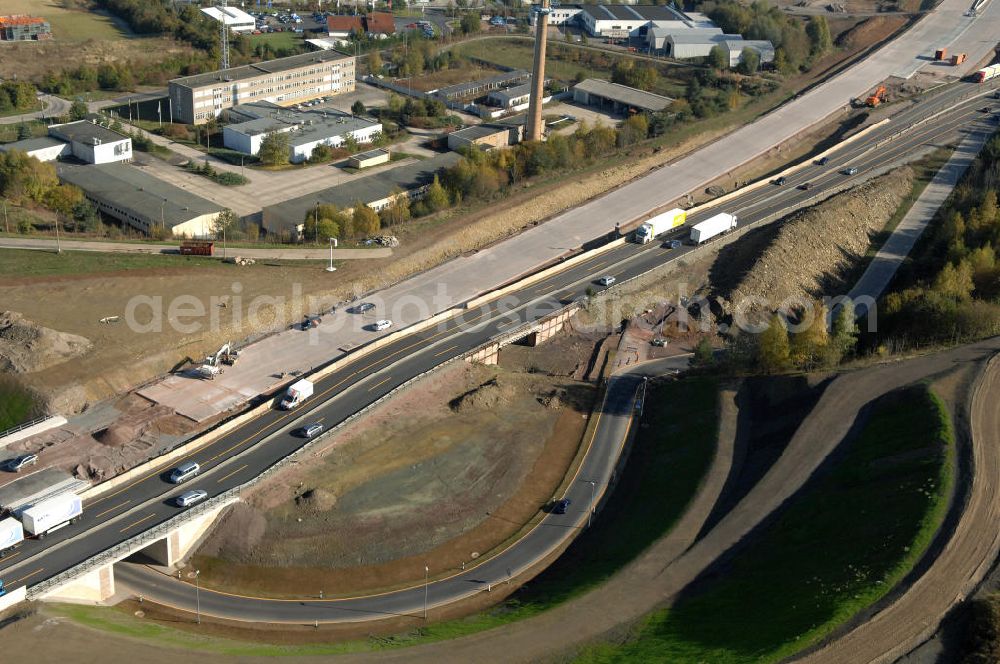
[184, 472]
[189, 498]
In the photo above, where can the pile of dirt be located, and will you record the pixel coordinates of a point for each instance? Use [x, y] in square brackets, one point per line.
[26, 347]
[811, 252]
[316, 500]
[491, 395]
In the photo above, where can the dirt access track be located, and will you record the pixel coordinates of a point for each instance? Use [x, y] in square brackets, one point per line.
[670, 565]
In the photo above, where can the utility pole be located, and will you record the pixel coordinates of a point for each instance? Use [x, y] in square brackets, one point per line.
[590, 515]
[58, 246]
[197, 595]
[427, 571]
[333, 243]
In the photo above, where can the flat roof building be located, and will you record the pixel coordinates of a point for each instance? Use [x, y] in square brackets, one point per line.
[369, 158]
[508, 97]
[42, 149]
[142, 201]
[375, 191]
[620, 98]
[482, 86]
[92, 142]
[199, 98]
[306, 129]
[486, 136]
[20, 27]
[235, 19]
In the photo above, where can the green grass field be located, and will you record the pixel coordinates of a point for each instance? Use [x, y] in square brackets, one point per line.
[278, 40]
[16, 403]
[31, 263]
[68, 25]
[852, 535]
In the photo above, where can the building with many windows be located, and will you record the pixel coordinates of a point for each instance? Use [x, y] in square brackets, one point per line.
[199, 98]
[24, 28]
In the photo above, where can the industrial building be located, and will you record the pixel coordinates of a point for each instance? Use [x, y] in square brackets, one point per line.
[369, 158]
[486, 136]
[478, 88]
[764, 49]
[285, 81]
[85, 139]
[306, 129]
[142, 201]
[510, 97]
[376, 191]
[618, 98]
[235, 19]
[663, 39]
[373, 24]
[21, 27]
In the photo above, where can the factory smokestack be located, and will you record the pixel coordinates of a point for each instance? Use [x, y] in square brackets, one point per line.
[534, 132]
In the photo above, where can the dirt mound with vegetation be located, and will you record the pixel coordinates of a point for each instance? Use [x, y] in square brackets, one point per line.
[26, 347]
[488, 396]
[250, 525]
[810, 254]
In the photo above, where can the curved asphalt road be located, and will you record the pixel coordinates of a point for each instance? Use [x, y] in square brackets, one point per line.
[246, 452]
[616, 415]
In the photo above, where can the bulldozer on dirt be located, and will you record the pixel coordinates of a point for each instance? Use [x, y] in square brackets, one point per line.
[877, 97]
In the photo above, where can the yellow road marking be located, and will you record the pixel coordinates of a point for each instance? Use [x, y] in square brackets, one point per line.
[27, 576]
[446, 350]
[372, 388]
[112, 509]
[13, 555]
[223, 479]
[142, 520]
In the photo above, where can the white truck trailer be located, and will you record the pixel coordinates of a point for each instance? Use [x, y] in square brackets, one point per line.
[660, 224]
[717, 225]
[51, 514]
[11, 534]
[297, 392]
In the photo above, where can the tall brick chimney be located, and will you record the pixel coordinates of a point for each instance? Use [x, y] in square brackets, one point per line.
[534, 129]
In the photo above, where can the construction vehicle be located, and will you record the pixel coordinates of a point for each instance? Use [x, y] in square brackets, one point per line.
[957, 59]
[877, 97]
[941, 54]
[212, 366]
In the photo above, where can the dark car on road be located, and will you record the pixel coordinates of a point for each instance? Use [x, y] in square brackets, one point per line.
[823, 161]
[805, 186]
[780, 181]
[560, 506]
[17, 463]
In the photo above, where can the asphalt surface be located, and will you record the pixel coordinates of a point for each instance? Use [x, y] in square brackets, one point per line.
[246, 452]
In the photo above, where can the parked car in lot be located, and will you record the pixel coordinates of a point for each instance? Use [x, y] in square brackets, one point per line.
[606, 280]
[17, 463]
[184, 472]
[362, 308]
[311, 430]
[380, 325]
[560, 506]
[189, 498]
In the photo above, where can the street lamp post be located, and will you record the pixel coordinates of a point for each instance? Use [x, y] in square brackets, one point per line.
[197, 595]
[427, 571]
[316, 222]
[333, 243]
[590, 515]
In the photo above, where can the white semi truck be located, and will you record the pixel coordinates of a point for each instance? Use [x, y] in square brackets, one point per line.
[660, 224]
[297, 392]
[51, 514]
[11, 534]
[712, 227]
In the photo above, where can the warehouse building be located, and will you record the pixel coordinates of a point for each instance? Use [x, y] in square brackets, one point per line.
[199, 98]
[85, 139]
[376, 191]
[618, 98]
[141, 201]
[486, 136]
[235, 19]
[306, 129]
[92, 142]
[659, 37]
[764, 49]
[20, 27]
[483, 86]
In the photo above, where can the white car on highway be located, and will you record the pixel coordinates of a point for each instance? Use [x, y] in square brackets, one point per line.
[189, 498]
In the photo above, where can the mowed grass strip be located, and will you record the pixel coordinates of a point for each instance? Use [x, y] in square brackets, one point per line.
[852, 535]
[41, 263]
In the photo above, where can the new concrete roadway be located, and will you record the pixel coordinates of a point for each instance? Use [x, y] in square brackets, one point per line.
[244, 453]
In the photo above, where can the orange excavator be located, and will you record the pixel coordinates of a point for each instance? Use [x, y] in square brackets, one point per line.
[877, 97]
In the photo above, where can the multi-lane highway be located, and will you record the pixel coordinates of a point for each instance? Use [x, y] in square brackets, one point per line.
[245, 453]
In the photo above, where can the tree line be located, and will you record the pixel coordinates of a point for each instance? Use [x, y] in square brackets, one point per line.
[17, 96]
[24, 180]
